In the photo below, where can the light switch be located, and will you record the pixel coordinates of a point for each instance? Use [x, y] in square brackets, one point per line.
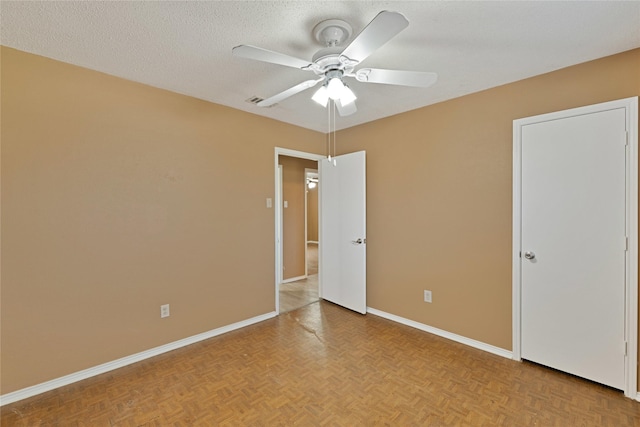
[286, 204]
[269, 202]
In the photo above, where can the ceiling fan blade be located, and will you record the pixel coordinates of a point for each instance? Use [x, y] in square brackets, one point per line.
[289, 92]
[379, 31]
[396, 77]
[259, 54]
[346, 110]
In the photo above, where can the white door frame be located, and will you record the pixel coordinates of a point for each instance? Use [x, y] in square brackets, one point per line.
[631, 274]
[278, 212]
[279, 227]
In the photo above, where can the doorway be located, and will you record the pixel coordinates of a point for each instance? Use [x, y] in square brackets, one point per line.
[575, 242]
[341, 227]
[297, 282]
[299, 285]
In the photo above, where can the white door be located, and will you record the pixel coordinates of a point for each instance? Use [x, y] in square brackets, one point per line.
[342, 250]
[573, 244]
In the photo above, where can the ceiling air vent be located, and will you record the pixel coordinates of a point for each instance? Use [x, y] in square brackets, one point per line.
[254, 100]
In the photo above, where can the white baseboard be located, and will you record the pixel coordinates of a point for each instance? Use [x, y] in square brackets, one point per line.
[638, 396]
[313, 242]
[441, 333]
[294, 279]
[128, 360]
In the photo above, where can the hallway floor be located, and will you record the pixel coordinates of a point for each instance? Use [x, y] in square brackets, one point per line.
[297, 294]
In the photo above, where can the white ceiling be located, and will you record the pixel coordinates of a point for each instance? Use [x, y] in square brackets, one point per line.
[186, 47]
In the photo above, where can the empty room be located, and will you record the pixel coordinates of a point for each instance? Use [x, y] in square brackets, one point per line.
[344, 213]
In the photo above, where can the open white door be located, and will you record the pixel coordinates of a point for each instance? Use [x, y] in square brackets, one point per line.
[342, 251]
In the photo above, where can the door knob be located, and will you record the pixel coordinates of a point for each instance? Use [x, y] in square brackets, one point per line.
[357, 242]
[529, 255]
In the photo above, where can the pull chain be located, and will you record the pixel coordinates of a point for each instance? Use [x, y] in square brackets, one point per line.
[329, 132]
[331, 120]
[334, 133]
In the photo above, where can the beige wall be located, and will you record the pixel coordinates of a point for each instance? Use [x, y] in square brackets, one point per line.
[117, 198]
[439, 196]
[293, 188]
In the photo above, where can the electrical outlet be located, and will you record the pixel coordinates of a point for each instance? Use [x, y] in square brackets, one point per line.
[164, 310]
[427, 296]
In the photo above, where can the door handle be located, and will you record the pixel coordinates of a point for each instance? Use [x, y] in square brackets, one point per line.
[529, 255]
[357, 242]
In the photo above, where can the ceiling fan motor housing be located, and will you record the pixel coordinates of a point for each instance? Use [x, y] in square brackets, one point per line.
[327, 59]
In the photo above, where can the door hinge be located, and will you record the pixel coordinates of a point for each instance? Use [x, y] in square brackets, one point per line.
[626, 138]
[625, 348]
[626, 244]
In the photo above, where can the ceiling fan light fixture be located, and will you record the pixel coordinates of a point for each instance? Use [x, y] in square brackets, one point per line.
[321, 96]
[335, 88]
[347, 96]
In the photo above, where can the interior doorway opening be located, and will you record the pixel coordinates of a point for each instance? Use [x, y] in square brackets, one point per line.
[297, 291]
[297, 237]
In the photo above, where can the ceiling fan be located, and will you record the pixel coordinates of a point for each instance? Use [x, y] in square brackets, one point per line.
[333, 63]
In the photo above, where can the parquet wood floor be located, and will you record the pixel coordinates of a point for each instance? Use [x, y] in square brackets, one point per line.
[322, 365]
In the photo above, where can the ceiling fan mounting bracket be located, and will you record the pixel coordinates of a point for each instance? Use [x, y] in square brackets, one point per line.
[332, 32]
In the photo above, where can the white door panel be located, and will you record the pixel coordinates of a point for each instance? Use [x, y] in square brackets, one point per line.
[342, 224]
[573, 220]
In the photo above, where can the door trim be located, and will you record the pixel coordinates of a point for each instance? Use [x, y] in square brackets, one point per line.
[279, 227]
[631, 274]
[278, 213]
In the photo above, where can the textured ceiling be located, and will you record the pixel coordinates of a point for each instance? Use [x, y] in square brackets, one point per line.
[186, 47]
